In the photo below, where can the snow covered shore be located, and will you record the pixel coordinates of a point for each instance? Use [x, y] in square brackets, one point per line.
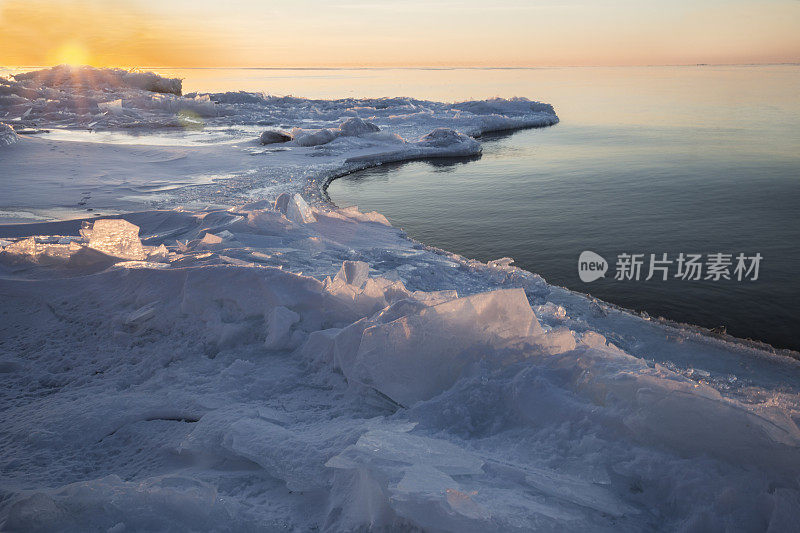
[260, 360]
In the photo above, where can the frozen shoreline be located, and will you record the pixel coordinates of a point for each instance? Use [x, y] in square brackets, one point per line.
[279, 365]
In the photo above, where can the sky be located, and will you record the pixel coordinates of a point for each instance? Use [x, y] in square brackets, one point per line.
[375, 33]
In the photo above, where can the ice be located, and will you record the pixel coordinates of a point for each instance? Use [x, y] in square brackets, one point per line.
[502, 263]
[443, 137]
[356, 295]
[298, 211]
[355, 126]
[111, 504]
[313, 138]
[114, 106]
[7, 135]
[262, 360]
[67, 75]
[361, 402]
[37, 251]
[441, 142]
[390, 475]
[282, 202]
[352, 127]
[294, 208]
[353, 273]
[373, 216]
[209, 239]
[158, 254]
[418, 356]
[279, 324]
[117, 238]
[274, 136]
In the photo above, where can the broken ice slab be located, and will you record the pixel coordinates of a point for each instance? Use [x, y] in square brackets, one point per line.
[209, 239]
[420, 355]
[279, 324]
[40, 250]
[158, 254]
[390, 472]
[298, 211]
[354, 214]
[7, 135]
[117, 238]
[353, 273]
[295, 208]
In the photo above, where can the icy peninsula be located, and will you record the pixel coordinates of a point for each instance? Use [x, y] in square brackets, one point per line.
[192, 338]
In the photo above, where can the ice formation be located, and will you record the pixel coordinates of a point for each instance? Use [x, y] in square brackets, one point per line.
[281, 364]
[274, 136]
[109, 78]
[377, 398]
[118, 238]
[7, 135]
[112, 98]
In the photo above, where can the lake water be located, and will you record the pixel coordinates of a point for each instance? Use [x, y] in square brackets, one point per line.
[646, 160]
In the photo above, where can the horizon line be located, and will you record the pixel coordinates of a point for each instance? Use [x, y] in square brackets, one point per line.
[422, 67]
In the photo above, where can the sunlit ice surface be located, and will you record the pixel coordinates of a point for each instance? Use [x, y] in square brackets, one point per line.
[190, 137]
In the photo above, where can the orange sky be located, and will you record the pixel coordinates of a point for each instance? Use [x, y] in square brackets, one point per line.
[307, 33]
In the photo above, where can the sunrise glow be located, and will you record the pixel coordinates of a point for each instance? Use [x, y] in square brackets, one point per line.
[359, 33]
[71, 53]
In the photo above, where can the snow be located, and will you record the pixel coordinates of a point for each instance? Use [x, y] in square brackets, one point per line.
[240, 355]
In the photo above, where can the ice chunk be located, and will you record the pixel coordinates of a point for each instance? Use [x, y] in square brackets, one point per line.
[354, 301]
[355, 126]
[389, 473]
[504, 263]
[117, 238]
[209, 239]
[418, 356]
[353, 273]
[354, 214]
[158, 255]
[23, 247]
[443, 137]
[113, 106]
[313, 138]
[282, 202]
[43, 251]
[279, 325]
[351, 127]
[274, 136]
[7, 135]
[298, 211]
[318, 348]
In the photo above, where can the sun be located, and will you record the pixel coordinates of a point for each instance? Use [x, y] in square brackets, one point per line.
[71, 53]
